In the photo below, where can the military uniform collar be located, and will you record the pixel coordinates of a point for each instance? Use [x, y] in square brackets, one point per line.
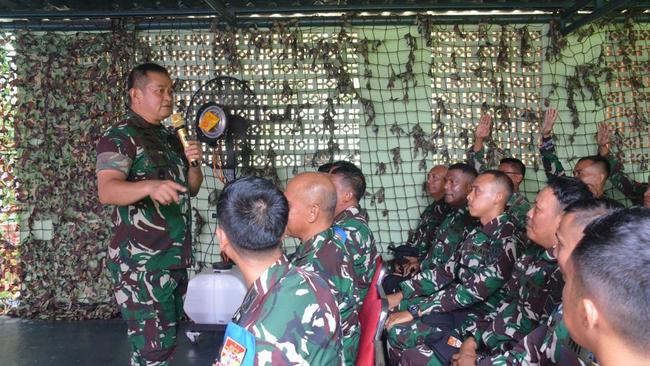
[310, 245]
[138, 121]
[351, 212]
[516, 198]
[271, 276]
[548, 256]
[462, 210]
[491, 227]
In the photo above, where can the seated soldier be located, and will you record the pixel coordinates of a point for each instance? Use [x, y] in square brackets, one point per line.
[637, 192]
[518, 205]
[471, 281]
[548, 344]
[350, 187]
[531, 294]
[291, 312]
[607, 293]
[312, 201]
[592, 170]
[458, 184]
[419, 240]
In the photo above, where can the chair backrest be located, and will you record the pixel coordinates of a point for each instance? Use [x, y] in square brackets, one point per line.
[370, 318]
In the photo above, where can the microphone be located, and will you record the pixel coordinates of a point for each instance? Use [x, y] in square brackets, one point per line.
[181, 131]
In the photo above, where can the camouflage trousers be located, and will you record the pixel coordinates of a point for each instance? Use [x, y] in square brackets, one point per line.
[407, 335]
[351, 346]
[420, 356]
[410, 343]
[152, 305]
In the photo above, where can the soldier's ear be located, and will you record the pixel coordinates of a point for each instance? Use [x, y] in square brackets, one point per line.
[312, 214]
[498, 196]
[589, 314]
[134, 94]
[224, 243]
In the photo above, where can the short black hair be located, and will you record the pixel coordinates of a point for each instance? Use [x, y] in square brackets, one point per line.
[352, 176]
[253, 213]
[586, 211]
[569, 189]
[140, 72]
[611, 263]
[325, 168]
[465, 168]
[598, 160]
[503, 180]
[516, 163]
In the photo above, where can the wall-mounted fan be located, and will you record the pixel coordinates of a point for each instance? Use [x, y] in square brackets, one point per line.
[222, 113]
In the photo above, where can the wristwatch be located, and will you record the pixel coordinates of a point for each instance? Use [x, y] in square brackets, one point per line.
[414, 310]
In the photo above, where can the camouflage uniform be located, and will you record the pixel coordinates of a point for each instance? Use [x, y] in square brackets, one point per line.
[151, 245]
[532, 294]
[293, 316]
[326, 254]
[633, 190]
[361, 246]
[517, 206]
[451, 233]
[472, 280]
[430, 219]
[549, 344]
[552, 165]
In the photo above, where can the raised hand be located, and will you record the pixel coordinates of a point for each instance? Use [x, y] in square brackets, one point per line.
[484, 127]
[549, 122]
[603, 138]
[482, 131]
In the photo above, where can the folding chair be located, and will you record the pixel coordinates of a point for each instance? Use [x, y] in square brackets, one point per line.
[372, 317]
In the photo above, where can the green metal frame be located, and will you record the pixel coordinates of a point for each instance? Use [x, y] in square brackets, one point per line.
[238, 13]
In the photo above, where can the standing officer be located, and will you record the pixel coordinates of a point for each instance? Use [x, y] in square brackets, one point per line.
[143, 171]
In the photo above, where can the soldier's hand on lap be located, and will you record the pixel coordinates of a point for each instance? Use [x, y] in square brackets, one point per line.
[398, 318]
[394, 299]
[463, 359]
[165, 191]
[469, 346]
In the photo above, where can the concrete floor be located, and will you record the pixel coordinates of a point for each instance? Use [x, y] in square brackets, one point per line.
[92, 342]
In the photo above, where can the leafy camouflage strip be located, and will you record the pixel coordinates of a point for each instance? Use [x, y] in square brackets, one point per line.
[361, 246]
[152, 305]
[431, 218]
[326, 255]
[293, 316]
[450, 233]
[548, 344]
[147, 236]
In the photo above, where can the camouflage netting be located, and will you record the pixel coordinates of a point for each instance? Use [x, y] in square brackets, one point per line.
[394, 99]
